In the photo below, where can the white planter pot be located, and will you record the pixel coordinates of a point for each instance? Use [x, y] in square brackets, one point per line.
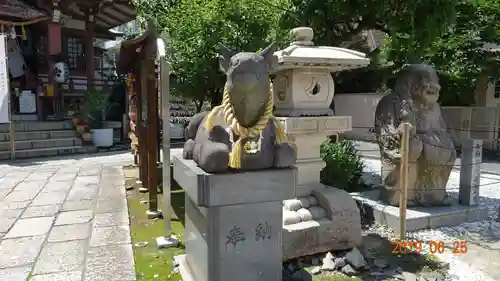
[102, 137]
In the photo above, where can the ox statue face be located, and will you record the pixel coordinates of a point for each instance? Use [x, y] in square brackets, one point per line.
[248, 81]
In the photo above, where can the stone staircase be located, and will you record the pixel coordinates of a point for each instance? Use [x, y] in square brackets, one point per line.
[40, 138]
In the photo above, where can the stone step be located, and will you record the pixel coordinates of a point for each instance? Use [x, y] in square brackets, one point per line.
[38, 135]
[28, 126]
[43, 143]
[24, 117]
[43, 152]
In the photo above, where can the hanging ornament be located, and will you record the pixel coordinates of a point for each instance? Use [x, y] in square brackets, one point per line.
[12, 32]
[61, 72]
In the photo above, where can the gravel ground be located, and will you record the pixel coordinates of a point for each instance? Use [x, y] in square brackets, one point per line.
[482, 236]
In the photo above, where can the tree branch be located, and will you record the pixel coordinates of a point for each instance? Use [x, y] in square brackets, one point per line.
[381, 27]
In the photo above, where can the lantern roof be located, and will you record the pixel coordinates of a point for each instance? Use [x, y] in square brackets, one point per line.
[303, 54]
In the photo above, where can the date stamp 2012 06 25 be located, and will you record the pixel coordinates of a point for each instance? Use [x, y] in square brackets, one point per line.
[435, 246]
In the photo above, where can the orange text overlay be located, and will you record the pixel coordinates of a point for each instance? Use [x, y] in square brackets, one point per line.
[434, 246]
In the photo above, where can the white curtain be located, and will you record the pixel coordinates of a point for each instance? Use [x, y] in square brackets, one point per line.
[15, 59]
[4, 82]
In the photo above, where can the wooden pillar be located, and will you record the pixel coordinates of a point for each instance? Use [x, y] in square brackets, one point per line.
[151, 93]
[54, 48]
[89, 48]
[139, 129]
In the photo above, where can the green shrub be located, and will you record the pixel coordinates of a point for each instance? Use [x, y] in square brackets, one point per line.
[344, 165]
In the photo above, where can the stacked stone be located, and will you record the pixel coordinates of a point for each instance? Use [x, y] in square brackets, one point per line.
[302, 209]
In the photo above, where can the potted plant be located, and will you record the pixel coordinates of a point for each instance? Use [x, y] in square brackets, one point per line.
[87, 136]
[81, 128]
[77, 119]
[95, 103]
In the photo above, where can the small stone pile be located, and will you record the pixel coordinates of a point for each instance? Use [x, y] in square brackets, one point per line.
[350, 263]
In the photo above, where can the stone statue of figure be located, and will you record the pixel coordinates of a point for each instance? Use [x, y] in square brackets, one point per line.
[432, 149]
[241, 133]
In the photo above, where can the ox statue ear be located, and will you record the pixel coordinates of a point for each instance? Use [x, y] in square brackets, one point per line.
[225, 55]
[269, 57]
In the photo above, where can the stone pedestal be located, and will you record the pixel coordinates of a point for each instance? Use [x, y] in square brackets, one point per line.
[233, 223]
[308, 133]
[320, 218]
[418, 218]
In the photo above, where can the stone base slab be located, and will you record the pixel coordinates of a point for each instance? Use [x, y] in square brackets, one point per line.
[184, 271]
[418, 218]
[313, 237]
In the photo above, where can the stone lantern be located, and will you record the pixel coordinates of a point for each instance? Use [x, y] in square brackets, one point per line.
[320, 218]
[304, 85]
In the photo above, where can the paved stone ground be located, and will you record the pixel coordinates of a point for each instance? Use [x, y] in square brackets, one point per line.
[482, 260]
[65, 219]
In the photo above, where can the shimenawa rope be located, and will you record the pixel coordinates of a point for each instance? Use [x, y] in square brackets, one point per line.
[241, 131]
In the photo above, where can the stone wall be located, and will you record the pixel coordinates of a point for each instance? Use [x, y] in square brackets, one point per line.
[477, 122]
[362, 109]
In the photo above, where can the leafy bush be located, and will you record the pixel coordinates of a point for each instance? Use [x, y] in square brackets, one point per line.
[95, 103]
[344, 165]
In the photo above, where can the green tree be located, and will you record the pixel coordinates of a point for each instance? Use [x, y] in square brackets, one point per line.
[462, 56]
[418, 31]
[412, 27]
[194, 28]
[411, 24]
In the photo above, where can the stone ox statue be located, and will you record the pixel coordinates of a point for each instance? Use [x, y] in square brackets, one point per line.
[241, 133]
[432, 150]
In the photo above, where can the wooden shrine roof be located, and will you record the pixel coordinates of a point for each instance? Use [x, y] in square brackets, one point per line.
[128, 55]
[17, 10]
[129, 49]
[108, 13]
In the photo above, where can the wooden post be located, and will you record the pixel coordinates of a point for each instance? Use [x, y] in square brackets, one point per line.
[168, 240]
[5, 75]
[403, 179]
[89, 48]
[152, 140]
[12, 133]
[139, 130]
[151, 93]
[165, 114]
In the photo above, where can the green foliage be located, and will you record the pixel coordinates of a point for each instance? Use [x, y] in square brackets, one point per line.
[413, 23]
[461, 55]
[446, 33]
[193, 29]
[344, 165]
[95, 103]
[412, 26]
